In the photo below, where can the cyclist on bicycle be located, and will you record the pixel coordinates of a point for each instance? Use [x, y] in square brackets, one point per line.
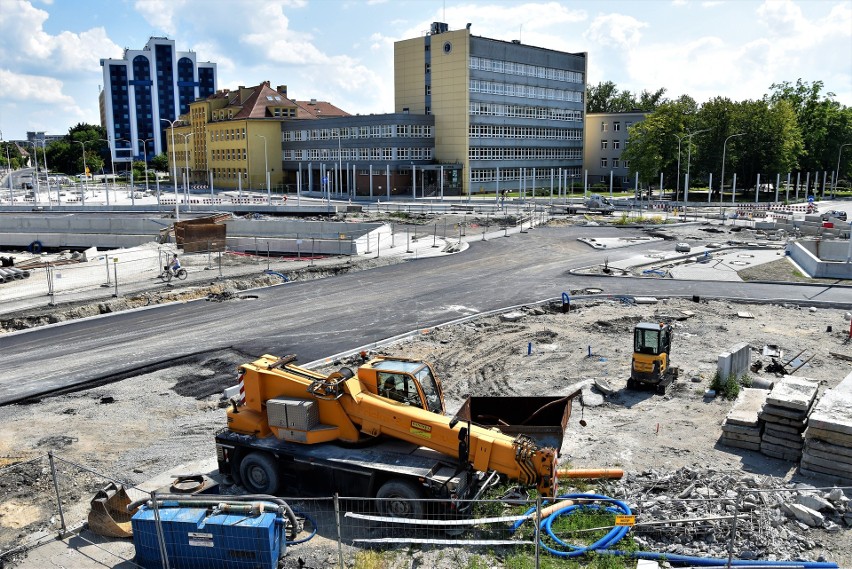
[174, 266]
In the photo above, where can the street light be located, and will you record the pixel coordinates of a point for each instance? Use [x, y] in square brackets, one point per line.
[9, 167]
[144, 142]
[186, 160]
[688, 158]
[722, 179]
[836, 172]
[174, 167]
[85, 169]
[677, 190]
[265, 168]
[46, 170]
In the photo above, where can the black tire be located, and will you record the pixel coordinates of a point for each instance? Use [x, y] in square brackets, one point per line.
[181, 274]
[259, 474]
[400, 499]
[631, 384]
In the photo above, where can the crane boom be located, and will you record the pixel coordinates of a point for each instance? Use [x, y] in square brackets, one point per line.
[352, 407]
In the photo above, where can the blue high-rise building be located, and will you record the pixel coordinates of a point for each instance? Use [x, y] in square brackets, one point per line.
[145, 86]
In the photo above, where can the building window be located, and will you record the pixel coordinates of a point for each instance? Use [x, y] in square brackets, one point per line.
[615, 163]
[616, 126]
[604, 144]
[616, 144]
[604, 127]
[428, 110]
[603, 163]
[428, 90]
[428, 67]
[626, 163]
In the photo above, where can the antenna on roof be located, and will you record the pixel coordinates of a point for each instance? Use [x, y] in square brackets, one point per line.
[521, 32]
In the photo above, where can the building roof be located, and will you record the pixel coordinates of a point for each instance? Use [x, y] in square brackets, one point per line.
[314, 109]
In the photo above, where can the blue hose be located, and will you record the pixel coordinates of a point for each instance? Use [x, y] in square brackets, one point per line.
[602, 546]
[313, 533]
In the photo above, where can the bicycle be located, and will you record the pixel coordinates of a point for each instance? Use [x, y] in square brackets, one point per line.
[168, 274]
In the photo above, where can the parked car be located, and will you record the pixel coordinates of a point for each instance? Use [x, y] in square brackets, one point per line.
[683, 248]
[836, 214]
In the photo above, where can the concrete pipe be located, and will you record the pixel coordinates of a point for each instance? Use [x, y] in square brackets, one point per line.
[5, 277]
[19, 273]
[10, 275]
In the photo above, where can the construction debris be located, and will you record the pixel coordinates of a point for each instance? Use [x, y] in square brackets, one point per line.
[775, 526]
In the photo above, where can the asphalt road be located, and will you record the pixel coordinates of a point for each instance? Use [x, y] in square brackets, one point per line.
[318, 318]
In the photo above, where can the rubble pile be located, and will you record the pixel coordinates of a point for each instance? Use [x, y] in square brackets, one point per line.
[742, 427]
[828, 439]
[785, 416]
[776, 521]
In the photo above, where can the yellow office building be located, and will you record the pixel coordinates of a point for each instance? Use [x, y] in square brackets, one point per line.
[510, 113]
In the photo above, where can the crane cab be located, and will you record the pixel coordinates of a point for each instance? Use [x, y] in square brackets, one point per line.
[410, 382]
[651, 365]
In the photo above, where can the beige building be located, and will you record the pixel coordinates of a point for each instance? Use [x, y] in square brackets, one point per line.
[605, 140]
[510, 114]
[233, 138]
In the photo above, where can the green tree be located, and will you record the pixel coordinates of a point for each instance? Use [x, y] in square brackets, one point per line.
[768, 140]
[160, 162]
[653, 143]
[606, 98]
[824, 123]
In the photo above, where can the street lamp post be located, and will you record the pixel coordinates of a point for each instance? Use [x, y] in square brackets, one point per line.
[85, 170]
[722, 179]
[186, 161]
[174, 167]
[677, 190]
[265, 169]
[144, 142]
[836, 171]
[688, 159]
[9, 173]
[47, 172]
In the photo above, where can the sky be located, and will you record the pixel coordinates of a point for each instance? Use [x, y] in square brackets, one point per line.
[341, 51]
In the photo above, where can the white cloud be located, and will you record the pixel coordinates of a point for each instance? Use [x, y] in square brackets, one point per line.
[619, 29]
[161, 13]
[25, 47]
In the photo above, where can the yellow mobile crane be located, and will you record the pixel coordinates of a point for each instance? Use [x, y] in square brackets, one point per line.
[380, 431]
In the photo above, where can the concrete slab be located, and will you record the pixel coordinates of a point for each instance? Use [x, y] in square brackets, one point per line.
[741, 430]
[835, 478]
[779, 451]
[771, 414]
[793, 393]
[792, 437]
[745, 409]
[828, 450]
[783, 443]
[742, 438]
[833, 412]
[795, 430]
[833, 437]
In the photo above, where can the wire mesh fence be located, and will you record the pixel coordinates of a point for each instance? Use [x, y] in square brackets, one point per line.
[46, 497]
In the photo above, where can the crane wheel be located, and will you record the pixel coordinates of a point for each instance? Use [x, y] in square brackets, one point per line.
[400, 499]
[259, 474]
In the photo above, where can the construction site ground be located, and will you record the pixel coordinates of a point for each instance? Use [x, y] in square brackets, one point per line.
[143, 426]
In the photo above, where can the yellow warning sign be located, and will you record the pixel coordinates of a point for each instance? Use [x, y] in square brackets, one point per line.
[625, 520]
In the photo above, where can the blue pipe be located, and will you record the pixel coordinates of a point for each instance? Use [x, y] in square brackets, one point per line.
[313, 533]
[617, 533]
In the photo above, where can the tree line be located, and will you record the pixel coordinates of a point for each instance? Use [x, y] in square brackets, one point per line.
[66, 154]
[795, 128]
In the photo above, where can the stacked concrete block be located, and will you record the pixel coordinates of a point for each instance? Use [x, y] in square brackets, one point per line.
[742, 427]
[828, 438]
[785, 416]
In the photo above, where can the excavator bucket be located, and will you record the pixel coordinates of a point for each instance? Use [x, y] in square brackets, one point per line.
[108, 515]
[543, 419]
